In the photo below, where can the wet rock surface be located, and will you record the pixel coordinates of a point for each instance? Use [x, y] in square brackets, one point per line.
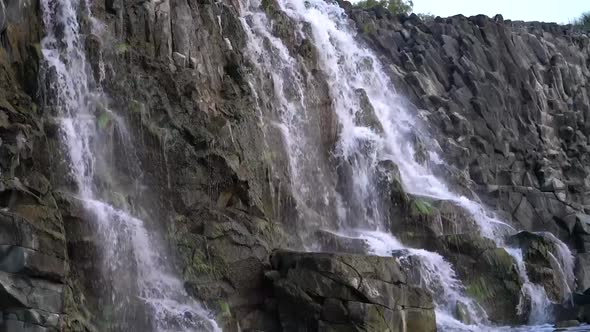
[540, 254]
[506, 101]
[34, 263]
[489, 274]
[507, 105]
[338, 292]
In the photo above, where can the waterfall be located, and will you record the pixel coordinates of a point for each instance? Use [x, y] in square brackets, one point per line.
[274, 60]
[536, 294]
[134, 263]
[351, 69]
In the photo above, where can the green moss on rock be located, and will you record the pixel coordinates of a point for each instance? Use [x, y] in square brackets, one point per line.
[421, 207]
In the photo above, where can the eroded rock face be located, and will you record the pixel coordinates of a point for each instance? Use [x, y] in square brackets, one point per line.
[337, 292]
[507, 107]
[507, 103]
[35, 283]
[489, 274]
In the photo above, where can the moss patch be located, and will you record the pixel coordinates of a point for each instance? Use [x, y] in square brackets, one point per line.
[421, 207]
[104, 120]
[479, 290]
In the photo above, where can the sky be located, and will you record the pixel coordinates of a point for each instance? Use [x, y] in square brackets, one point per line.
[560, 11]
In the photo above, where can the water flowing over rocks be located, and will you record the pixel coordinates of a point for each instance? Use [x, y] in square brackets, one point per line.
[218, 142]
[505, 101]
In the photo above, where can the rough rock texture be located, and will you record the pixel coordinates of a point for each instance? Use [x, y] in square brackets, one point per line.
[489, 273]
[330, 292]
[540, 259]
[177, 79]
[178, 70]
[507, 102]
[507, 106]
[34, 268]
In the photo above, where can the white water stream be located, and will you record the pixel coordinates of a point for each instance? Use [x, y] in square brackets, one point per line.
[349, 68]
[129, 251]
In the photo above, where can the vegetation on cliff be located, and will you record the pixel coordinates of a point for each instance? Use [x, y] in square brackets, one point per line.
[394, 6]
[583, 21]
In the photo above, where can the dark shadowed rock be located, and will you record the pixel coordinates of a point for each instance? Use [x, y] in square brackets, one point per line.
[582, 271]
[332, 242]
[348, 293]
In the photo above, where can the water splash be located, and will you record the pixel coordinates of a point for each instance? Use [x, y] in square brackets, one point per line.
[530, 293]
[129, 251]
[565, 261]
[174, 309]
[434, 274]
[341, 55]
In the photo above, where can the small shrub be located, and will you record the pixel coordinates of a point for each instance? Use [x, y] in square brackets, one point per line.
[394, 6]
[121, 48]
[583, 22]
[426, 17]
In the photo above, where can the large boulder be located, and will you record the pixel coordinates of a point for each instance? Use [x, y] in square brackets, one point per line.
[340, 243]
[224, 254]
[423, 220]
[489, 274]
[339, 292]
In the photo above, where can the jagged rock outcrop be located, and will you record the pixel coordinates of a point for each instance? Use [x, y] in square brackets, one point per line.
[489, 273]
[506, 101]
[540, 256]
[178, 69]
[174, 71]
[35, 286]
[506, 104]
[347, 293]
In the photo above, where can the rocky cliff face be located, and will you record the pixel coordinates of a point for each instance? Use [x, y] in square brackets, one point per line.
[505, 103]
[34, 267]
[174, 74]
[507, 106]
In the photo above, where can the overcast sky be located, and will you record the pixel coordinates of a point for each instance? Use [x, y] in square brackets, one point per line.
[560, 11]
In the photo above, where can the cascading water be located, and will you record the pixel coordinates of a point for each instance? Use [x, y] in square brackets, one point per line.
[537, 296]
[288, 87]
[134, 267]
[351, 69]
[272, 56]
[436, 274]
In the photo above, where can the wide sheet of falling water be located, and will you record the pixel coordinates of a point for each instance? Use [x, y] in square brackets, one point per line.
[163, 292]
[71, 92]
